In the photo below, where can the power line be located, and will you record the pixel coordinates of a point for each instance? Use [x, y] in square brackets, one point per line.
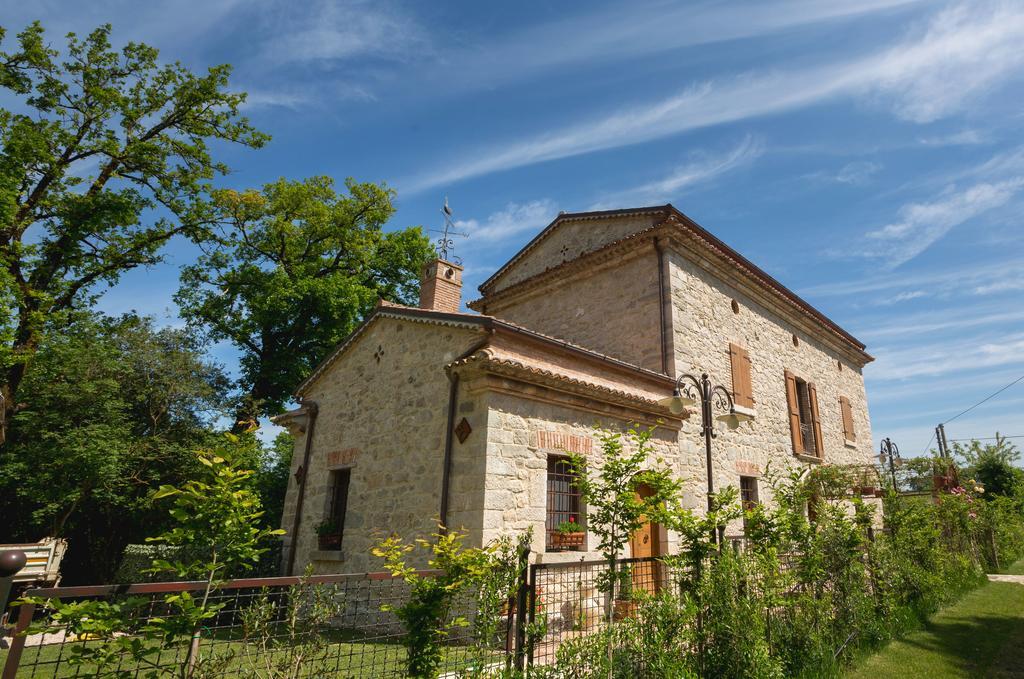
[987, 398]
[989, 438]
[928, 445]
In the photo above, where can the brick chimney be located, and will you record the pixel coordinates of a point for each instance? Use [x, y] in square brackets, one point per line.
[441, 286]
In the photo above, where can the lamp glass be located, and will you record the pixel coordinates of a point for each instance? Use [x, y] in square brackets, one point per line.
[676, 404]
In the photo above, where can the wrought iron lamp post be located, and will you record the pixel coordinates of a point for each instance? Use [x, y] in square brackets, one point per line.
[890, 453]
[690, 390]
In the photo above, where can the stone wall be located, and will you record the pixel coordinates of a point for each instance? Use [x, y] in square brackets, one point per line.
[571, 239]
[703, 325]
[521, 434]
[613, 309]
[383, 412]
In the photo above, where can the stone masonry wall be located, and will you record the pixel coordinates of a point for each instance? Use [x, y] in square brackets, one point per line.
[521, 434]
[383, 412]
[572, 239]
[703, 325]
[613, 310]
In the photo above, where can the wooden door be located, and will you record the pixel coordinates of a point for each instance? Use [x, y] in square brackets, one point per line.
[646, 542]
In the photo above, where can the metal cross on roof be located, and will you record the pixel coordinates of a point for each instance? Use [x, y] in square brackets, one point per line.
[446, 244]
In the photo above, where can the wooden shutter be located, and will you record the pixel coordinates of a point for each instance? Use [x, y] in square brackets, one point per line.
[848, 431]
[742, 390]
[794, 413]
[812, 395]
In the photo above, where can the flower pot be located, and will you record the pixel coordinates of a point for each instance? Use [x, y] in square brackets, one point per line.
[566, 540]
[329, 542]
[879, 492]
[624, 608]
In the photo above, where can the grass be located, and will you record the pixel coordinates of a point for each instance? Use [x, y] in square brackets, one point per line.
[1016, 569]
[344, 657]
[981, 635]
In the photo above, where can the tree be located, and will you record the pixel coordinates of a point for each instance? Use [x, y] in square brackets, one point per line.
[295, 267]
[115, 409]
[105, 159]
[992, 465]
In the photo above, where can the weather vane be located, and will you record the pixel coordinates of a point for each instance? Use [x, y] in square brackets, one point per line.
[446, 244]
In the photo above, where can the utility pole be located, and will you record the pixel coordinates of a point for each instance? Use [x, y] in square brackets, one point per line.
[940, 437]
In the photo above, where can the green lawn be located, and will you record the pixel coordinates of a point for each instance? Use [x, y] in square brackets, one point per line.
[1016, 569]
[982, 635]
[344, 658]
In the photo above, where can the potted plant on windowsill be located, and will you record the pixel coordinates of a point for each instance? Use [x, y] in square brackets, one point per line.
[625, 606]
[567, 534]
[328, 535]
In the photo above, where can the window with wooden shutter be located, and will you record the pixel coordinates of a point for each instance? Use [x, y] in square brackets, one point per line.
[812, 394]
[804, 420]
[742, 389]
[794, 413]
[848, 431]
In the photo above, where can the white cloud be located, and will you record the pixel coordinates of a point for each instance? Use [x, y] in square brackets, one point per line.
[922, 224]
[947, 357]
[961, 138]
[639, 29]
[960, 55]
[945, 281]
[702, 168]
[963, 52]
[513, 220]
[858, 172]
[1000, 286]
[918, 325]
[336, 31]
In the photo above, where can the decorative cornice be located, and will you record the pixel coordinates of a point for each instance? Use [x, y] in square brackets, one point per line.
[486, 361]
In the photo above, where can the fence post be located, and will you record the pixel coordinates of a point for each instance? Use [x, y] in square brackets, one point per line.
[25, 613]
[522, 608]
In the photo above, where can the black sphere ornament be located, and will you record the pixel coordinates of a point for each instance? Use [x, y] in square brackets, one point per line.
[11, 562]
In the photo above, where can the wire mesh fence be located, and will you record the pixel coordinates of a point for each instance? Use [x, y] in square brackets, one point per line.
[570, 598]
[332, 625]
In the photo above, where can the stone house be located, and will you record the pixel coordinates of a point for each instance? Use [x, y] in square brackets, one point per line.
[432, 413]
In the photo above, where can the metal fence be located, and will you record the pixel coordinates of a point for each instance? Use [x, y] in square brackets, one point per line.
[363, 637]
[250, 630]
[568, 596]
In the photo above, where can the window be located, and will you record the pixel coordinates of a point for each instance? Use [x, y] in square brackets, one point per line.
[564, 503]
[742, 391]
[848, 431]
[804, 422]
[340, 479]
[748, 496]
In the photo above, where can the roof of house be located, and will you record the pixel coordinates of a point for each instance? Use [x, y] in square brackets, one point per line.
[672, 217]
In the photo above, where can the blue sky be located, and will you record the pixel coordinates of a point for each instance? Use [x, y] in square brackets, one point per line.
[869, 155]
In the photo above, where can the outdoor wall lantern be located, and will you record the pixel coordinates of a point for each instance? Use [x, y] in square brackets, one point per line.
[690, 390]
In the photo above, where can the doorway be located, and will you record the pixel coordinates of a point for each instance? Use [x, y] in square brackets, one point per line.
[646, 542]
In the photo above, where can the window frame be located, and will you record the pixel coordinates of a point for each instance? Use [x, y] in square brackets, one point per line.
[558, 467]
[336, 476]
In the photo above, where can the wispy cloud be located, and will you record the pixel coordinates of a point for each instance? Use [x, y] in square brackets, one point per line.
[946, 357]
[337, 31]
[641, 29]
[932, 73]
[962, 53]
[701, 168]
[513, 220]
[974, 279]
[961, 138]
[922, 224]
[858, 172]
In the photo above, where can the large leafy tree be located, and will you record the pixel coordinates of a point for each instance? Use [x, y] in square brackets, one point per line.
[115, 409]
[294, 269]
[104, 158]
